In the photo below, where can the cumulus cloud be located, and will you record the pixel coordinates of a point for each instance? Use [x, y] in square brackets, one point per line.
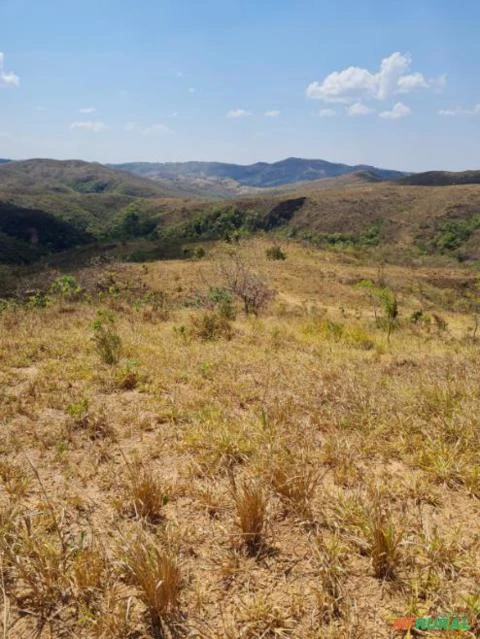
[358, 109]
[272, 114]
[399, 111]
[238, 113]
[94, 126]
[87, 110]
[355, 83]
[407, 83]
[7, 78]
[326, 113]
[460, 111]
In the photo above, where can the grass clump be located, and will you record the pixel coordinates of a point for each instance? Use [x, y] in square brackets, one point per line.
[154, 570]
[251, 513]
[144, 495]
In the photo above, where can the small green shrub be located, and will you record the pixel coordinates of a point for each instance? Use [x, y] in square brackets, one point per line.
[211, 326]
[67, 288]
[275, 253]
[107, 341]
[223, 301]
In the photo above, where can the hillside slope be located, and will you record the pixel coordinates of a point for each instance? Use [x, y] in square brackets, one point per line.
[87, 195]
[27, 234]
[73, 176]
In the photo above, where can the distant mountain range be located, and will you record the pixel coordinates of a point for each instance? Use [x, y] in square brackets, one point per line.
[48, 206]
[442, 178]
[258, 175]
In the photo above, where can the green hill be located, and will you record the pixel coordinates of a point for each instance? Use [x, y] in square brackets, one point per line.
[89, 196]
[28, 234]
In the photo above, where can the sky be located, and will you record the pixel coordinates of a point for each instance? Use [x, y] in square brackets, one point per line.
[394, 84]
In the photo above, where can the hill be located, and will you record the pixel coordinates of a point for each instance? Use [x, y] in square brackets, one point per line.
[87, 195]
[408, 220]
[260, 175]
[73, 176]
[441, 178]
[27, 234]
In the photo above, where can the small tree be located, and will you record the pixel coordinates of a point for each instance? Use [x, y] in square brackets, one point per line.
[384, 298]
[247, 285]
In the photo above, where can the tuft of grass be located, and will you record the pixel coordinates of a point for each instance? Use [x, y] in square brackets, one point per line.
[384, 541]
[296, 482]
[331, 557]
[251, 513]
[144, 495]
[155, 572]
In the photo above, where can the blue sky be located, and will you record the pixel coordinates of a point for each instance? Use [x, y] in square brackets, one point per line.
[394, 84]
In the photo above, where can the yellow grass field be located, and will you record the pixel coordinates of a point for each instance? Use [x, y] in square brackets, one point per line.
[299, 473]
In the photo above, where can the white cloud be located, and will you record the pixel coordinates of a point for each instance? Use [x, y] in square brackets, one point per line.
[358, 109]
[399, 111]
[87, 110]
[326, 113]
[407, 83]
[272, 114]
[238, 113]
[355, 83]
[7, 79]
[457, 111]
[94, 126]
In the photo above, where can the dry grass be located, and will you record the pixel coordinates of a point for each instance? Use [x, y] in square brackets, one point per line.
[353, 460]
[155, 573]
[251, 511]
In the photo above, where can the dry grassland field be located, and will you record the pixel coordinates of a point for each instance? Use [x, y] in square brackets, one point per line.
[237, 447]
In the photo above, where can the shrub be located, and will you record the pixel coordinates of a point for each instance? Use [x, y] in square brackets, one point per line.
[247, 285]
[223, 301]
[275, 253]
[107, 342]
[67, 288]
[211, 326]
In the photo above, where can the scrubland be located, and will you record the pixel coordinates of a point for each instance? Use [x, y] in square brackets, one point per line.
[171, 466]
